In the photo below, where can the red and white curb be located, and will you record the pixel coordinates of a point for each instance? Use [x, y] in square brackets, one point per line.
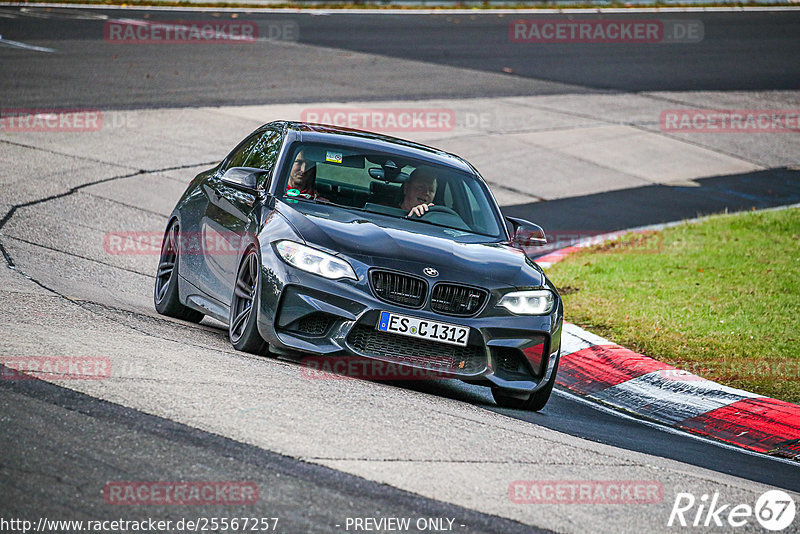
[602, 371]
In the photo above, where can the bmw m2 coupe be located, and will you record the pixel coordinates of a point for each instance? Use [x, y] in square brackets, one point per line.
[339, 243]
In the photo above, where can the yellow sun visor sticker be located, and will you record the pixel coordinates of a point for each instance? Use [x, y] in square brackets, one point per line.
[333, 157]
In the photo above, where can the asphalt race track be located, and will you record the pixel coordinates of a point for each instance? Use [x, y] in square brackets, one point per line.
[568, 135]
[421, 56]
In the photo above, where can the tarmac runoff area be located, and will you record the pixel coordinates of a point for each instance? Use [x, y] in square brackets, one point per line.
[70, 295]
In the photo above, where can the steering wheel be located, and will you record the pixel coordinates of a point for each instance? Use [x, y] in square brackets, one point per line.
[441, 209]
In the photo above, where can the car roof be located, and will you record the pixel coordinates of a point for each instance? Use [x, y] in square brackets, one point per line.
[311, 132]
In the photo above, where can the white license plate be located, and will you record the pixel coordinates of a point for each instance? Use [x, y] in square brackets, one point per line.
[423, 329]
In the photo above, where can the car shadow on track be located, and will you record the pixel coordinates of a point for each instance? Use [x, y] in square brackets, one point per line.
[568, 219]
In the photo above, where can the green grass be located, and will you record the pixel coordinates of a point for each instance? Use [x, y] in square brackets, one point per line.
[719, 298]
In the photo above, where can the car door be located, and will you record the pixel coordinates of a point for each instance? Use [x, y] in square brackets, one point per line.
[229, 215]
[194, 259]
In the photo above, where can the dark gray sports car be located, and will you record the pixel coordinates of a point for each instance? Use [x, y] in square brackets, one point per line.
[340, 243]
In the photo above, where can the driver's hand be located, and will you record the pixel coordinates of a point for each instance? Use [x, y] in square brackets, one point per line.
[420, 210]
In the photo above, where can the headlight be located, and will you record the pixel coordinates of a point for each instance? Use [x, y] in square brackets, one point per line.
[534, 302]
[314, 261]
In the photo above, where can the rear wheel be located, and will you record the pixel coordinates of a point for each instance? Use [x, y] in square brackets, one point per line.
[165, 292]
[242, 327]
[535, 402]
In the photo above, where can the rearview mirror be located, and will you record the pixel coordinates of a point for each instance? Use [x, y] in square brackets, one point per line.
[526, 234]
[244, 178]
[381, 174]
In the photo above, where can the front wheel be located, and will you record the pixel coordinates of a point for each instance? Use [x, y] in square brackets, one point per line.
[242, 327]
[165, 292]
[535, 402]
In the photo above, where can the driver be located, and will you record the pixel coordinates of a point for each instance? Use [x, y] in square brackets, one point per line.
[418, 191]
[303, 177]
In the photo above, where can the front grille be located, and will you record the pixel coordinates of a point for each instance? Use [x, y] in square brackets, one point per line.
[453, 299]
[314, 324]
[367, 341]
[402, 289]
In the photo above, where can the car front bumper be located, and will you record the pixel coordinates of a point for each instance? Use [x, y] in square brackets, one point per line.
[307, 313]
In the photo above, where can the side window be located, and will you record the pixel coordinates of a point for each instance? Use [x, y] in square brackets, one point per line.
[481, 218]
[240, 155]
[264, 151]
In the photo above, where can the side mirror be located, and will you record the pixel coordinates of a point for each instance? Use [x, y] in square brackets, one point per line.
[526, 234]
[244, 178]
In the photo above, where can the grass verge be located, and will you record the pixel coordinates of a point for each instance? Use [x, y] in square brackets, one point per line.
[719, 298]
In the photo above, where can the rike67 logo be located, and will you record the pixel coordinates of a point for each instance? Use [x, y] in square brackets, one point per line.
[774, 511]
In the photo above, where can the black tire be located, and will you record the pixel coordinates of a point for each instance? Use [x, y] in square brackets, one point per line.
[535, 402]
[242, 327]
[165, 291]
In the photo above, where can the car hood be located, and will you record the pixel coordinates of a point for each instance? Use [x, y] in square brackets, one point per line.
[357, 236]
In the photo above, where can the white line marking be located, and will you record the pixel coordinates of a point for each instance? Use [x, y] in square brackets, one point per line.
[73, 15]
[131, 22]
[35, 14]
[17, 44]
[668, 429]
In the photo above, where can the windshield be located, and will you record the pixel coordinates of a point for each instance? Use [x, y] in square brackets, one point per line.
[390, 185]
